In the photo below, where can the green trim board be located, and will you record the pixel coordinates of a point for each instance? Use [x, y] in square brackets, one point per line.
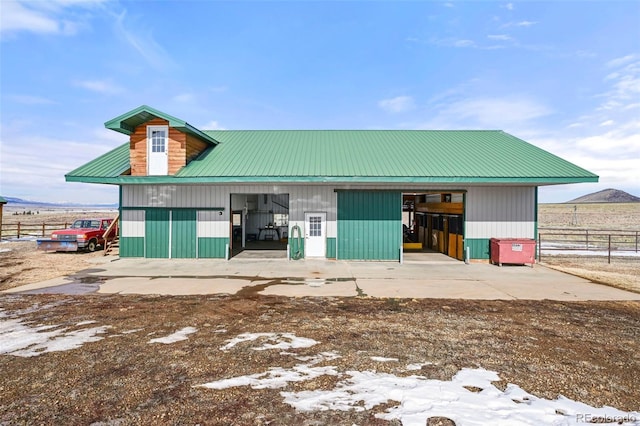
[176, 180]
[174, 208]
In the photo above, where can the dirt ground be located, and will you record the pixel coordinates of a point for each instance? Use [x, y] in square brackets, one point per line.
[586, 351]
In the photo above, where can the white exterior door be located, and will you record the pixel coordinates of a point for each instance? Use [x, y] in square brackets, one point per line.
[157, 150]
[315, 235]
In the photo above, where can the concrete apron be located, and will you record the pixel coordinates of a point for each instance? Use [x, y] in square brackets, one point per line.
[436, 277]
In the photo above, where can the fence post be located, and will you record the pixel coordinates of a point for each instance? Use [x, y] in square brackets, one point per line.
[609, 248]
[636, 241]
[587, 234]
[539, 247]
[18, 237]
[42, 229]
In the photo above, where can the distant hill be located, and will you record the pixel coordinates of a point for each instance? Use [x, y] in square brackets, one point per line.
[607, 196]
[19, 202]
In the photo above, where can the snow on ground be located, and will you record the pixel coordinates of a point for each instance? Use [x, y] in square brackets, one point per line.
[418, 398]
[280, 341]
[20, 338]
[383, 359]
[175, 337]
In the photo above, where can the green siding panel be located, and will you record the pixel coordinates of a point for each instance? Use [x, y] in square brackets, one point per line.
[156, 233]
[212, 247]
[478, 247]
[132, 247]
[331, 248]
[183, 234]
[369, 225]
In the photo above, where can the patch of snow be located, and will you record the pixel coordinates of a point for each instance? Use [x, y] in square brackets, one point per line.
[278, 377]
[135, 330]
[279, 341]
[86, 322]
[417, 366]
[20, 339]
[4, 250]
[383, 359]
[417, 398]
[275, 377]
[175, 337]
[222, 330]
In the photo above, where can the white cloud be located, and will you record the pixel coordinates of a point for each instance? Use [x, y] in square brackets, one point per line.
[509, 6]
[212, 125]
[184, 97]
[502, 37]
[44, 17]
[607, 123]
[100, 86]
[488, 113]
[30, 100]
[143, 42]
[397, 104]
[520, 24]
[24, 153]
[618, 62]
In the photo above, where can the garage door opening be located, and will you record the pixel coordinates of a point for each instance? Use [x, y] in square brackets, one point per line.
[433, 222]
[259, 225]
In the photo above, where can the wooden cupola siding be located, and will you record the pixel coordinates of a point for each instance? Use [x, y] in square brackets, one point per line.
[182, 148]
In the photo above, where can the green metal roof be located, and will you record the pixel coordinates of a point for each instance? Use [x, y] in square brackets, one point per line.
[393, 156]
[108, 166]
[126, 123]
[2, 200]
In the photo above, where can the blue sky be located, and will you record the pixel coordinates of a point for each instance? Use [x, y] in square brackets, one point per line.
[564, 76]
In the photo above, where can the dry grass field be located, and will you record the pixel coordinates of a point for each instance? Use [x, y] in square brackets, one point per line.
[621, 272]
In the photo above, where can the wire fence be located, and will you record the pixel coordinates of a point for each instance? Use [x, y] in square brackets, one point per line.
[588, 242]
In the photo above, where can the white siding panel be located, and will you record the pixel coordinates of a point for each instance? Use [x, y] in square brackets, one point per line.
[212, 224]
[132, 223]
[500, 212]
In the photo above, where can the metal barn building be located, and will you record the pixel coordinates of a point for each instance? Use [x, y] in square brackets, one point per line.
[337, 194]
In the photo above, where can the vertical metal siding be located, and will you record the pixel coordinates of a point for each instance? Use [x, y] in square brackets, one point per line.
[369, 225]
[183, 234]
[500, 212]
[157, 233]
[302, 198]
[132, 223]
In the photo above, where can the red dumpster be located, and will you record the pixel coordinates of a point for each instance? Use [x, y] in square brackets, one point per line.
[518, 251]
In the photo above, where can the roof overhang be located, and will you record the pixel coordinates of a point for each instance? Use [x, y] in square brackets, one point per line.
[173, 180]
[127, 123]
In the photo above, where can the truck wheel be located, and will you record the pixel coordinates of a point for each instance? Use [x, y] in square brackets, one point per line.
[91, 247]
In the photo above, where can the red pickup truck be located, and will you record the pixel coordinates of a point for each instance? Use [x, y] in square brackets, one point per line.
[84, 234]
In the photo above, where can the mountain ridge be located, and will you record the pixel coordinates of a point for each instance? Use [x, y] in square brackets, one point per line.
[608, 195]
[19, 202]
